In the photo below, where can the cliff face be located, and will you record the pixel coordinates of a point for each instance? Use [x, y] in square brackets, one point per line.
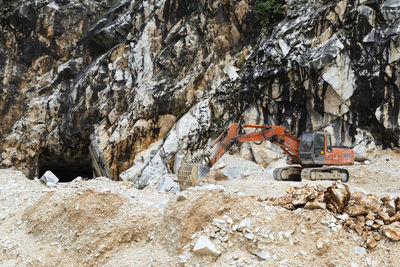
[112, 76]
[134, 87]
[333, 66]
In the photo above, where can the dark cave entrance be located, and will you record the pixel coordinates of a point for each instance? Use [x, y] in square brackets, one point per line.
[66, 167]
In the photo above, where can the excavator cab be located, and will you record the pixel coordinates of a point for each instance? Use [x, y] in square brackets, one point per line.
[313, 148]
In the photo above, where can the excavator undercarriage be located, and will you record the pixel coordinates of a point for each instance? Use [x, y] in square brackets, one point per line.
[299, 173]
[325, 173]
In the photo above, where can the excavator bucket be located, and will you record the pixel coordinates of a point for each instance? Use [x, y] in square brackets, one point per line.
[190, 174]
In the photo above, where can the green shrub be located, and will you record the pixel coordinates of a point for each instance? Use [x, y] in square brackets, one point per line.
[270, 11]
[240, 63]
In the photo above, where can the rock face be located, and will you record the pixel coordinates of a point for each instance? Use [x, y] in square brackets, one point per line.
[329, 78]
[129, 81]
[131, 88]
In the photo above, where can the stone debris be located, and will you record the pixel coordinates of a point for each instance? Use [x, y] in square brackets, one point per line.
[249, 236]
[167, 183]
[243, 224]
[320, 243]
[181, 196]
[197, 230]
[392, 231]
[297, 197]
[366, 214]
[360, 250]
[77, 179]
[205, 247]
[337, 197]
[312, 205]
[264, 254]
[49, 179]
[371, 242]
[362, 204]
[235, 172]
[178, 59]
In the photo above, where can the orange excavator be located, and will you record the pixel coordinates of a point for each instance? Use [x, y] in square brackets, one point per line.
[312, 152]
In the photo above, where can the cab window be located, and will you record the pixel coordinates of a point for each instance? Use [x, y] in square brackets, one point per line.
[328, 143]
[306, 143]
[319, 145]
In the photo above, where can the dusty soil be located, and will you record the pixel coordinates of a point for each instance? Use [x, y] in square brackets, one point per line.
[101, 222]
[380, 176]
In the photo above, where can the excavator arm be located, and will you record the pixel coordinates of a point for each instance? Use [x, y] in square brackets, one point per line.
[278, 135]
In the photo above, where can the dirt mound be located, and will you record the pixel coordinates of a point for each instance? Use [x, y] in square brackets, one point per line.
[192, 211]
[88, 224]
[246, 231]
[76, 211]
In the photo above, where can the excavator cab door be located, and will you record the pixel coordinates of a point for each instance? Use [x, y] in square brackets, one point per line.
[312, 149]
[319, 148]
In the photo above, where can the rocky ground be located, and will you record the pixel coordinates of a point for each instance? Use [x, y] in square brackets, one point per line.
[242, 217]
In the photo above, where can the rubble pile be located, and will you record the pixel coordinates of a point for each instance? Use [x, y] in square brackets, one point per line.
[107, 223]
[223, 224]
[309, 197]
[368, 215]
[216, 225]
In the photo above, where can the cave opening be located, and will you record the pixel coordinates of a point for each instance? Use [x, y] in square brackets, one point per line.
[66, 167]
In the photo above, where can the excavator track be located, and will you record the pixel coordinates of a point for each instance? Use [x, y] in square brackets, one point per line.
[287, 174]
[325, 173]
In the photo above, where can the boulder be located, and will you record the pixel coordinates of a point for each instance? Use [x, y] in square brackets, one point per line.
[312, 205]
[234, 172]
[364, 146]
[394, 218]
[49, 179]
[390, 205]
[264, 254]
[181, 197]
[266, 153]
[392, 231]
[371, 242]
[362, 204]
[243, 224]
[337, 197]
[205, 247]
[303, 195]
